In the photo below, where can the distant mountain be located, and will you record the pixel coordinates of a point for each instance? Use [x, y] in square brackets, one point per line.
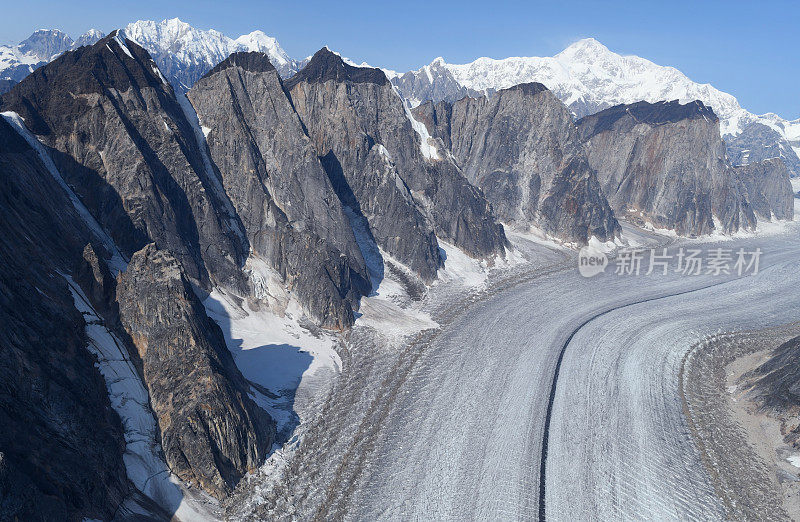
[184, 54]
[588, 78]
[17, 62]
[90, 37]
[44, 44]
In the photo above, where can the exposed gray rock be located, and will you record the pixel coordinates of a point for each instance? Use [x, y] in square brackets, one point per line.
[118, 134]
[439, 85]
[589, 78]
[374, 159]
[212, 432]
[521, 147]
[61, 444]
[96, 281]
[757, 142]
[768, 188]
[270, 169]
[665, 163]
[120, 138]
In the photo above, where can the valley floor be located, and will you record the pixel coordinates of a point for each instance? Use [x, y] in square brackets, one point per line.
[450, 423]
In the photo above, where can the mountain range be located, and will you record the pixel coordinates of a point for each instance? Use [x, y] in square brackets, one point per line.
[184, 53]
[138, 187]
[16, 62]
[588, 78]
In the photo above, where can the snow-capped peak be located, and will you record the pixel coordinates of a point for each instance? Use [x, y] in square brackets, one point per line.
[588, 77]
[90, 37]
[586, 47]
[184, 53]
[258, 41]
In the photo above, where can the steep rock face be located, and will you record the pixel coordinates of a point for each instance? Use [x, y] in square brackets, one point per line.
[665, 163]
[270, 169]
[212, 433]
[758, 142]
[521, 147]
[384, 166]
[61, 444]
[768, 188]
[119, 136]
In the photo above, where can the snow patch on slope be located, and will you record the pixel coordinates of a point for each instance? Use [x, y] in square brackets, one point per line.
[200, 137]
[426, 143]
[288, 362]
[388, 309]
[143, 460]
[122, 45]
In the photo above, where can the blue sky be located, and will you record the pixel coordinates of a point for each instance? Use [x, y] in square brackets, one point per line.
[750, 49]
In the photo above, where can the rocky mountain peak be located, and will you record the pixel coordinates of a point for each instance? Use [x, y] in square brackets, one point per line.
[46, 43]
[659, 113]
[665, 163]
[530, 88]
[113, 62]
[212, 433]
[327, 65]
[253, 61]
[521, 147]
